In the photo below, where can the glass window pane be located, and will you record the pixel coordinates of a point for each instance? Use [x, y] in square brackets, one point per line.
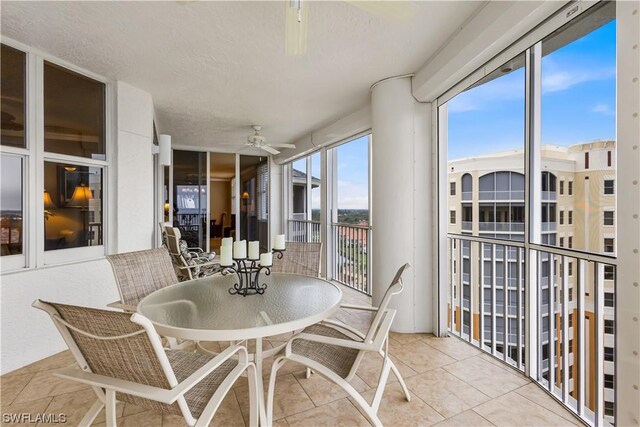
[579, 124]
[72, 206]
[299, 189]
[316, 177]
[254, 225]
[74, 113]
[190, 196]
[11, 194]
[13, 94]
[353, 181]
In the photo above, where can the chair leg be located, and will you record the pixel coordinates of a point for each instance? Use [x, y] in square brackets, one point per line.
[396, 372]
[110, 407]
[91, 414]
[309, 372]
[382, 382]
[277, 364]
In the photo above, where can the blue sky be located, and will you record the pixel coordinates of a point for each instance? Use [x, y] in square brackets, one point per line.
[578, 101]
[578, 104]
[353, 179]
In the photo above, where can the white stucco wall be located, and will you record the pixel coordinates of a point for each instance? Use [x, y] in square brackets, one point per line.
[134, 177]
[28, 334]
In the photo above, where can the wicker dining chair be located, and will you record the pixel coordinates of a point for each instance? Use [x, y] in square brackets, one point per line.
[300, 258]
[120, 356]
[190, 263]
[335, 350]
[140, 273]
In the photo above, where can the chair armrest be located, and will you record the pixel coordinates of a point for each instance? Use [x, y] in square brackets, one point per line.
[122, 306]
[204, 264]
[74, 373]
[358, 307]
[167, 396]
[344, 326]
[197, 250]
[329, 340]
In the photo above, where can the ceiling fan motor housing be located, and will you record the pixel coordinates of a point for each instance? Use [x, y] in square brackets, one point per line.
[256, 139]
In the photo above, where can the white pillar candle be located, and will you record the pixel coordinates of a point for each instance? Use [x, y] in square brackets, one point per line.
[227, 241]
[240, 249]
[225, 256]
[266, 259]
[278, 242]
[254, 250]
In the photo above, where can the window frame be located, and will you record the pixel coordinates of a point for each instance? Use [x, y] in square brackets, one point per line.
[613, 187]
[605, 219]
[34, 256]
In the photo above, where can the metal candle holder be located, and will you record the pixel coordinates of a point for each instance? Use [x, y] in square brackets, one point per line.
[248, 271]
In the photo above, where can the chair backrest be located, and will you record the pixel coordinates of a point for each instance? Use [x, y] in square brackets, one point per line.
[142, 272]
[163, 233]
[178, 253]
[300, 258]
[117, 345]
[173, 239]
[394, 288]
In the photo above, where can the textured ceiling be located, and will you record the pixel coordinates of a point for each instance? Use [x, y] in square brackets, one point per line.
[215, 68]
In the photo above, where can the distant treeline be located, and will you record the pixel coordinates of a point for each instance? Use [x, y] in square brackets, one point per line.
[346, 216]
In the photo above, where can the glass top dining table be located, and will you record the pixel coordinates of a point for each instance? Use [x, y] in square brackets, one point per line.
[204, 310]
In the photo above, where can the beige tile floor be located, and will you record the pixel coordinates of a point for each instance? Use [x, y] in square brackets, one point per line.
[452, 384]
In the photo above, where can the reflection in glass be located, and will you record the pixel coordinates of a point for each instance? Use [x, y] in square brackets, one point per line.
[222, 217]
[254, 200]
[13, 69]
[74, 113]
[72, 206]
[11, 194]
[190, 196]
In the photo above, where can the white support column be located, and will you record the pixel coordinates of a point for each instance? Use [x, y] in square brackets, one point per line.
[627, 346]
[401, 187]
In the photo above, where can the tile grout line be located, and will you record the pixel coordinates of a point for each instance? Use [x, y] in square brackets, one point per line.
[481, 416]
[573, 417]
[22, 389]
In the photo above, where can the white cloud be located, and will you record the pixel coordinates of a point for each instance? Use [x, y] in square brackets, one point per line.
[603, 109]
[353, 195]
[556, 81]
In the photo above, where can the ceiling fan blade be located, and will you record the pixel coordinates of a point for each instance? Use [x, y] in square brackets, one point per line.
[283, 145]
[296, 22]
[270, 150]
[398, 11]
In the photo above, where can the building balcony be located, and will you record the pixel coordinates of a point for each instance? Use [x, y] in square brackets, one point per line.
[508, 227]
[517, 196]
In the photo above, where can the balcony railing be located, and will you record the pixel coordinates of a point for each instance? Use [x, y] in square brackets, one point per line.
[350, 254]
[502, 195]
[512, 227]
[554, 322]
[303, 231]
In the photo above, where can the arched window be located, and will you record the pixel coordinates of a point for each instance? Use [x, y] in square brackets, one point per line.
[467, 186]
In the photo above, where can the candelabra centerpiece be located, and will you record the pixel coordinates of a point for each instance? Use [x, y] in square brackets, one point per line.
[234, 260]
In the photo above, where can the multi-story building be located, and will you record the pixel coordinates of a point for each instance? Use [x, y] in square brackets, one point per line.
[577, 210]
